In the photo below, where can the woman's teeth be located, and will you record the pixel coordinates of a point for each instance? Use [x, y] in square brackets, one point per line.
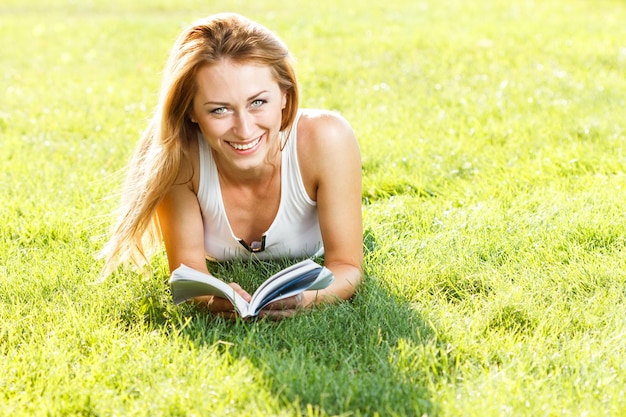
[244, 146]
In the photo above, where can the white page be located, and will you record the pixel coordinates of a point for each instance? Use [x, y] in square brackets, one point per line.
[191, 282]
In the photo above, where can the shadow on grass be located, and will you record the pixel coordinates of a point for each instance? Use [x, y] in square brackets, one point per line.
[372, 354]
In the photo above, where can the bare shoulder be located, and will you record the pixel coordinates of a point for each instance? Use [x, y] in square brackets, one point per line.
[323, 127]
[327, 148]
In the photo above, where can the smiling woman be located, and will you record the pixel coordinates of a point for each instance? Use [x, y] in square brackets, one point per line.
[220, 171]
[238, 109]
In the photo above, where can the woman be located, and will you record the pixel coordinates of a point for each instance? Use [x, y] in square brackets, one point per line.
[229, 167]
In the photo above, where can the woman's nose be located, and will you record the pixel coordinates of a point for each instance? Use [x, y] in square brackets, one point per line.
[243, 125]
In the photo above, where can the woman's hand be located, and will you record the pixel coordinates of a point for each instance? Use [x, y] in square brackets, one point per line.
[274, 311]
[222, 306]
[283, 308]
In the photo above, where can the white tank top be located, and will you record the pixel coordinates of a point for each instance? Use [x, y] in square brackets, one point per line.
[295, 231]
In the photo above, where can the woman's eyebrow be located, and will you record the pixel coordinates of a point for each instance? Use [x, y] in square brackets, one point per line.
[220, 103]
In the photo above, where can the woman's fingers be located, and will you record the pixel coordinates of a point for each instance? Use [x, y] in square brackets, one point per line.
[243, 293]
[220, 305]
[290, 303]
[275, 311]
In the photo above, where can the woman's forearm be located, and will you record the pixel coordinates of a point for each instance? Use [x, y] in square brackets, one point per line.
[347, 280]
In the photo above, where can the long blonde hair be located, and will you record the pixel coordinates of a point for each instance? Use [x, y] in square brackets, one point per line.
[164, 145]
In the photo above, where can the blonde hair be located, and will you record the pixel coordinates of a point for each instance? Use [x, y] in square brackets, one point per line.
[164, 145]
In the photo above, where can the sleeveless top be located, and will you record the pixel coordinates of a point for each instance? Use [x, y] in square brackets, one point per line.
[295, 231]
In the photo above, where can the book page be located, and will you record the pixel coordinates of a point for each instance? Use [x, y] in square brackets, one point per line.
[296, 281]
[286, 274]
[187, 283]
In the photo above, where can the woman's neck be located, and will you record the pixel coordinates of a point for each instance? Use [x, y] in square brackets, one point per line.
[255, 176]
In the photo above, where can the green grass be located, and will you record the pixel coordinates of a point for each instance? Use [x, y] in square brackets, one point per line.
[493, 140]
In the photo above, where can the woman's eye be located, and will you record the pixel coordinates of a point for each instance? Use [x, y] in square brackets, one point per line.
[258, 103]
[219, 110]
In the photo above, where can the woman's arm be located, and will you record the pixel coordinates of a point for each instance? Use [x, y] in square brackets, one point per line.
[330, 162]
[183, 234]
[181, 226]
[336, 159]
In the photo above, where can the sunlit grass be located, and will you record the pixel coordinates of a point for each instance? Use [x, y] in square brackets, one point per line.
[492, 136]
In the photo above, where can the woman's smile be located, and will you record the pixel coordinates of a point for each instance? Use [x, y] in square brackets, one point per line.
[246, 146]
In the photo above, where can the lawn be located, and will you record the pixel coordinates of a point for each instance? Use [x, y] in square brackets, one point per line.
[494, 173]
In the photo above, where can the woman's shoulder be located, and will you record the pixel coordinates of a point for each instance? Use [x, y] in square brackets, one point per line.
[328, 142]
[322, 126]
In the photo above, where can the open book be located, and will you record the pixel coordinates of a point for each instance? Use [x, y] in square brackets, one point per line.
[187, 283]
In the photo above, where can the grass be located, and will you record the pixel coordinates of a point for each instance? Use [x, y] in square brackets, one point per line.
[493, 142]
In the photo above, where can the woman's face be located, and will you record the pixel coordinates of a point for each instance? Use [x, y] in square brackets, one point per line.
[238, 108]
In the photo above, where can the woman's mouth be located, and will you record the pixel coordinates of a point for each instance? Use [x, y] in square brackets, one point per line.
[245, 146]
